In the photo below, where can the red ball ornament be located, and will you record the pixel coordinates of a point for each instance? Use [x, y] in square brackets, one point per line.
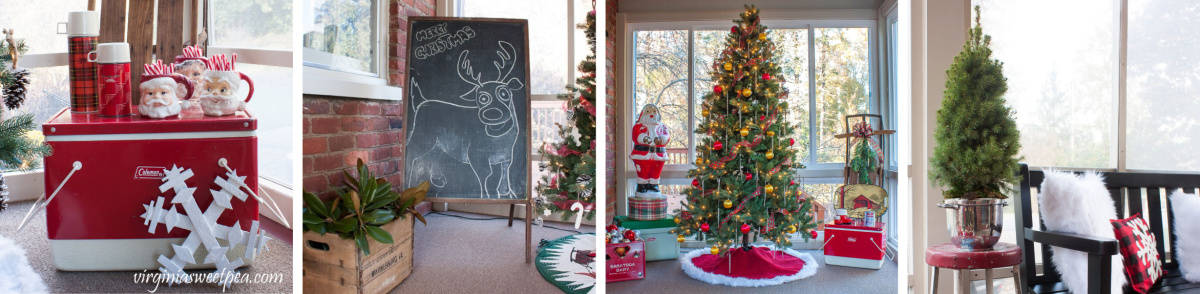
[749, 176]
[813, 233]
[733, 30]
[766, 76]
[612, 228]
[717, 89]
[745, 228]
[791, 141]
[762, 118]
[704, 228]
[631, 235]
[695, 182]
[717, 145]
[792, 182]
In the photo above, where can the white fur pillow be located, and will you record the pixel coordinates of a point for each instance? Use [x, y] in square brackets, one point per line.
[1187, 233]
[1078, 205]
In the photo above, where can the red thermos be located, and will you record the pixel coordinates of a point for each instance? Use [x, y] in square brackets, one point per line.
[115, 89]
[83, 31]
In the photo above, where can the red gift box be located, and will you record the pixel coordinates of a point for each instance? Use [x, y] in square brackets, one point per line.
[94, 223]
[626, 261]
[855, 246]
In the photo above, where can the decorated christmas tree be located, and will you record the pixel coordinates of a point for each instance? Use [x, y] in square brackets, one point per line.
[743, 190]
[18, 150]
[571, 162]
[977, 139]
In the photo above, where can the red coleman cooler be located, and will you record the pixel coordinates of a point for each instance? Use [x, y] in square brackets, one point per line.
[94, 222]
[855, 246]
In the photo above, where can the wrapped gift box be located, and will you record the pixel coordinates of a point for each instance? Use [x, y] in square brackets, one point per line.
[855, 246]
[625, 261]
[94, 223]
[660, 243]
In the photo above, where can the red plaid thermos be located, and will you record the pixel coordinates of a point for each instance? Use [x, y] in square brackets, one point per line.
[83, 31]
[113, 61]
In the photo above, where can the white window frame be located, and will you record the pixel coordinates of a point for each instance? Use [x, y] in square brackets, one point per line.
[676, 174]
[322, 80]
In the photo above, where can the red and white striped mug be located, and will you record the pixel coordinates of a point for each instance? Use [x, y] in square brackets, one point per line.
[115, 88]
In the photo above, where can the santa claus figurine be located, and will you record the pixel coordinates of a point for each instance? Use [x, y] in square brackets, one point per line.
[164, 92]
[650, 138]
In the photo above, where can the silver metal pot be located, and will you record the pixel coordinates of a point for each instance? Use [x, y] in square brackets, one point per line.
[977, 222]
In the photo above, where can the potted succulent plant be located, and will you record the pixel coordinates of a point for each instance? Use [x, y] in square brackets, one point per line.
[364, 231]
[977, 144]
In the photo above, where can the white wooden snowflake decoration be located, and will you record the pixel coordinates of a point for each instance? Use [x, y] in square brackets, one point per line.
[205, 231]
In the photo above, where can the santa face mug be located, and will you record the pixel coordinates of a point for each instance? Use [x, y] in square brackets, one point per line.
[163, 95]
[219, 94]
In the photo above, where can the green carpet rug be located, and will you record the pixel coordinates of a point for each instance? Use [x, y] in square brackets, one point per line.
[569, 263]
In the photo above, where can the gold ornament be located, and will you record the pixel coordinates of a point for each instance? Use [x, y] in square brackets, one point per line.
[699, 161]
[791, 229]
[704, 112]
[769, 189]
[728, 204]
[770, 154]
[715, 250]
[677, 220]
[744, 132]
[746, 92]
[754, 68]
[680, 239]
[770, 134]
[728, 66]
[762, 36]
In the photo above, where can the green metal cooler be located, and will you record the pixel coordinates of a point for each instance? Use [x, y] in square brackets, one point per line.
[660, 243]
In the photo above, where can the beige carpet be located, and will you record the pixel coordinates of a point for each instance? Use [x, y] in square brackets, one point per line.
[277, 259]
[666, 277]
[456, 255]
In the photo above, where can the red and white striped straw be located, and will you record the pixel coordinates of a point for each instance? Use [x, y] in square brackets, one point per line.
[221, 62]
[193, 51]
[158, 68]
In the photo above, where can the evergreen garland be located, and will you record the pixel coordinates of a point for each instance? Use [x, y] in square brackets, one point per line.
[743, 177]
[977, 139]
[18, 150]
[571, 163]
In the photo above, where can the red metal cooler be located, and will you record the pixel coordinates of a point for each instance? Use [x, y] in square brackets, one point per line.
[94, 223]
[855, 246]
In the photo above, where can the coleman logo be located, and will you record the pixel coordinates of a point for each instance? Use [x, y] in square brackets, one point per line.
[150, 172]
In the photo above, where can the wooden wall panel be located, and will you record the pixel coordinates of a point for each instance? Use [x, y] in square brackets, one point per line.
[170, 30]
[112, 21]
[141, 40]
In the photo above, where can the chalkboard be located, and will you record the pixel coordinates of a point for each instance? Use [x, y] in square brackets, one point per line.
[467, 116]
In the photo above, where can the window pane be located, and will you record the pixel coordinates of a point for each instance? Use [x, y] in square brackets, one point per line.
[708, 46]
[46, 95]
[1163, 85]
[265, 24]
[35, 21]
[545, 115]
[582, 7]
[792, 45]
[823, 193]
[547, 37]
[1061, 77]
[842, 86]
[661, 73]
[338, 34]
[273, 106]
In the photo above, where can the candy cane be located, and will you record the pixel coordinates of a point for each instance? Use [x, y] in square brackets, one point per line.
[578, 216]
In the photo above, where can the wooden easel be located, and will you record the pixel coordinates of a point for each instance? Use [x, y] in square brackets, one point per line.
[139, 16]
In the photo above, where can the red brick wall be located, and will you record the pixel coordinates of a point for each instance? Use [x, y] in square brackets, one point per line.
[610, 101]
[338, 130]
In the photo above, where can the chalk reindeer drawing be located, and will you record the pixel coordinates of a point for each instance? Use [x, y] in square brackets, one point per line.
[491, 100]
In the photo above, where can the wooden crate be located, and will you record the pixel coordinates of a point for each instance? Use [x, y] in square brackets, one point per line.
[335, 265]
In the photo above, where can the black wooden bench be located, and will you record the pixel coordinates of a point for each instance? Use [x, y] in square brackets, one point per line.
[1126, 190]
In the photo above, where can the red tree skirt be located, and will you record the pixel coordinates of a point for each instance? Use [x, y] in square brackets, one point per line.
[761, 266]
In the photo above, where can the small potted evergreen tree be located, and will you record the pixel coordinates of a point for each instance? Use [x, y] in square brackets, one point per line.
[977, 144]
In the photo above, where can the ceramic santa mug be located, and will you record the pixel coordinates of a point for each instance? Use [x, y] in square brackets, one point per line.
[115, 91]
[221, 83]
[163, 92]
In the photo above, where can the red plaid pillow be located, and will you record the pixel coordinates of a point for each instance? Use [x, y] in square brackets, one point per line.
[1137, 243]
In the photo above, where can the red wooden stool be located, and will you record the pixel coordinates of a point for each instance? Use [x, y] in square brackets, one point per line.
[949, 256]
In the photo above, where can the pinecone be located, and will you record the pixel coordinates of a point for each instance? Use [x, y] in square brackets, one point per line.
[14, 93]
